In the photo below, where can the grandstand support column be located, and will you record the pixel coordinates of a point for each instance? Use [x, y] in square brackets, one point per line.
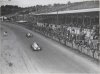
[36, 19]
[90, 21]
[83, 23]
[65, 20]
[57, 18]
[71, 19]
[77, 19]
[36, 16]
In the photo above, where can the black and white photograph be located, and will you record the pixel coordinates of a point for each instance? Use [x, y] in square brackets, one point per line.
[49, 37]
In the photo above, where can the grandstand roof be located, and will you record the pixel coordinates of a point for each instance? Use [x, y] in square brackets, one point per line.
[71, 6]
[71, 11]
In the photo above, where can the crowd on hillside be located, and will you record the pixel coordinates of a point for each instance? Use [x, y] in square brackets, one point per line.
[86, 39]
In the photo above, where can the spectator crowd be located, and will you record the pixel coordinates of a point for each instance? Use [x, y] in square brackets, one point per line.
[82, 39]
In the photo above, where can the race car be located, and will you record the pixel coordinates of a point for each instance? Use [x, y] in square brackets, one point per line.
[35, 46]
[28, 35]
[5, 33]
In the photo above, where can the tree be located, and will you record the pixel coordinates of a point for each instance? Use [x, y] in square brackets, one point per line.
[69, 3]
[9, 9]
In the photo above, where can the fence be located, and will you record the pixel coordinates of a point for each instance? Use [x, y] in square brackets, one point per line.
[80, 41]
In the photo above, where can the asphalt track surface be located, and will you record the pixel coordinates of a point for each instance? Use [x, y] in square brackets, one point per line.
[53, 58]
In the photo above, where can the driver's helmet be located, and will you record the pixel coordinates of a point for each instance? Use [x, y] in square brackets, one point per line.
[28, 34]
[5, 33]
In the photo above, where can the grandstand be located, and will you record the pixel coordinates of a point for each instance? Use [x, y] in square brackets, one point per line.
[76, 24]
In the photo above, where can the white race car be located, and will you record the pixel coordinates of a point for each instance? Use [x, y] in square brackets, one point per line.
[35, 46]
[5, 33]
[28, 35]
